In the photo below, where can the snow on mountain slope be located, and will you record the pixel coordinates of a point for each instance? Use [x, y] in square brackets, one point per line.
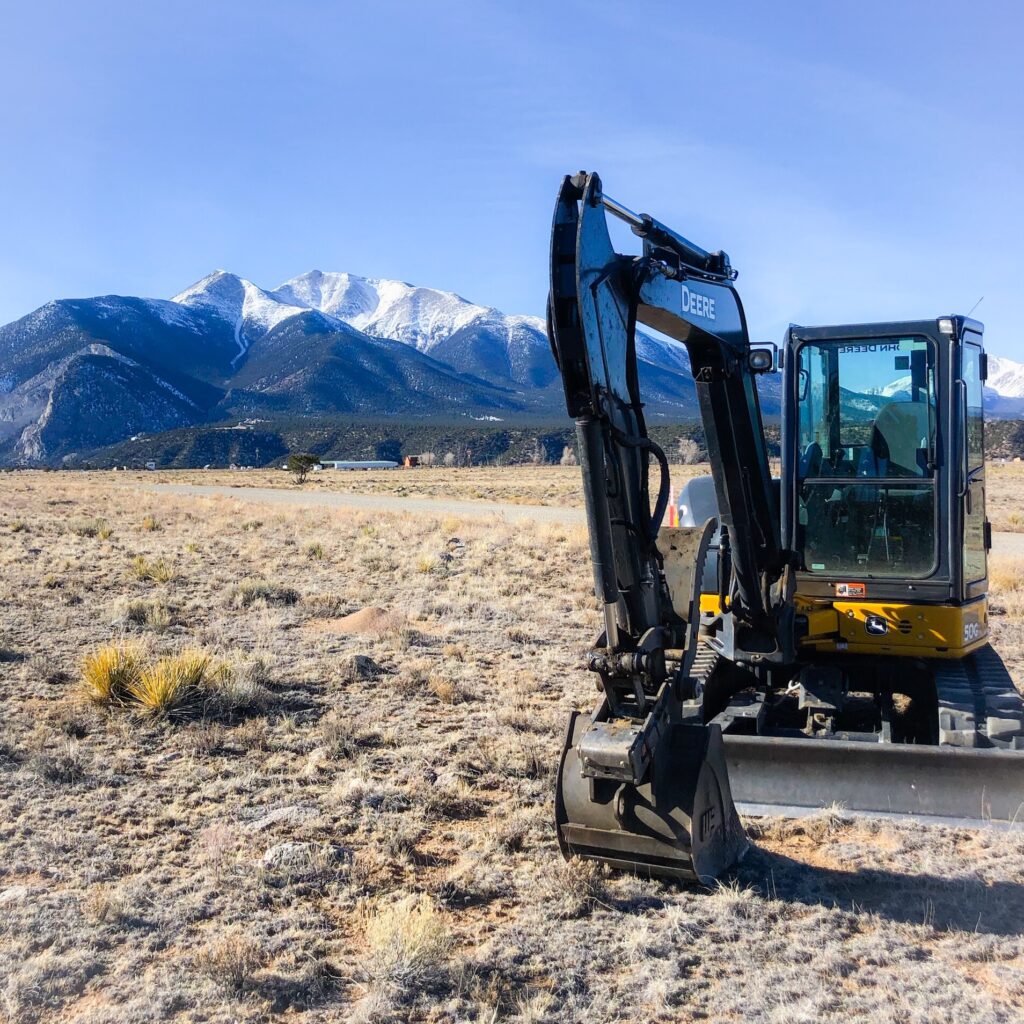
[248, 308]
[421, 317]
[1005, 377]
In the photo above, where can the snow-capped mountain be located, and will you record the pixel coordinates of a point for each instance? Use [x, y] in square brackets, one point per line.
[77, 374]
[247, 308]
[1005, 377]
[509, 350]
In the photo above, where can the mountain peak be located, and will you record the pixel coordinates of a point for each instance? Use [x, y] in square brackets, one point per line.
[248, 308]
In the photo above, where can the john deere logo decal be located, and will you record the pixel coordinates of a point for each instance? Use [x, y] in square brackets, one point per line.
[875, 625]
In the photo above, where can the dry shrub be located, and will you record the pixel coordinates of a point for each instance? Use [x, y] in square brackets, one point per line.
[408, 942]
[343, 735]
[315, 551]
[149, 524]
[574, 887]
[427, 563]
[512, 757]
[239, 684]
[105, 904]
[156, 615]
[512, 832]
[1006, 582]
[740, 901]
[91, 528]
[252, 734]
[325, 606]
[55, 758]
[109, 673]
[231, 960]
[446, 690]
[248, 592]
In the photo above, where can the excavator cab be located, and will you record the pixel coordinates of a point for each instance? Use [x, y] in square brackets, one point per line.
[883, 493]
[793, 643]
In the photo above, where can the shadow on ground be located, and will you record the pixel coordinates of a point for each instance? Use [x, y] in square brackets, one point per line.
[959, 903]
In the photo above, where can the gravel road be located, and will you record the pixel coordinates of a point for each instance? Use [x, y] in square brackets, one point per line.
[1003, 543]
[378, 502]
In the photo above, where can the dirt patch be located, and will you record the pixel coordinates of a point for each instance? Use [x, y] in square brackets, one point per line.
[370, 620]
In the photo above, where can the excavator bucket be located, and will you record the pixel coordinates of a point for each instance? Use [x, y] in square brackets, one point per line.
[679, 823]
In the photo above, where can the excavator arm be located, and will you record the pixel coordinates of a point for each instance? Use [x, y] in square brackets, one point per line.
[644, 783]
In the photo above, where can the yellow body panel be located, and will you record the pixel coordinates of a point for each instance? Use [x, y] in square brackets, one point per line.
[911, 630]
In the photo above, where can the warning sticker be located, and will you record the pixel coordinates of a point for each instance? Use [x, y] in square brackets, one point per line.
[851, 590]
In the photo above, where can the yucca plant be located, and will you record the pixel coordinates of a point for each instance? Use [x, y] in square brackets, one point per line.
[108, 674]
[172, 684]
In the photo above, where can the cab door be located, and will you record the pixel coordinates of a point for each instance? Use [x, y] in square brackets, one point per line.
[972, 466]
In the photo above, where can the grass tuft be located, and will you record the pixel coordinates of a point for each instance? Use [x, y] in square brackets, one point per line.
[248, 592]
[159, 571]
[231, 961]
[91, 528]
[108, 674]
[409, 942]
[172, 684]
[157, 615]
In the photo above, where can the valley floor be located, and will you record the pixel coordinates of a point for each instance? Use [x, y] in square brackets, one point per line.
[353, 820]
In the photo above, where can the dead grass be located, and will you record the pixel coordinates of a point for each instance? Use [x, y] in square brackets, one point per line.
[170, 685]
[158, 570]
[408, 942]
[248, 592]
[109, 673]
[231, 961]
[1006, 582]
[352, 821]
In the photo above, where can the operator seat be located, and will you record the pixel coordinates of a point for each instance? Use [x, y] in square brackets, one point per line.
[899, 439]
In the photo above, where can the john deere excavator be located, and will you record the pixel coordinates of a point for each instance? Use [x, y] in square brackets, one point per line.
[795, 642]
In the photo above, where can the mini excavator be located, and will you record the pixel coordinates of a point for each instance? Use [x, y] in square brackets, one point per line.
[795, 642]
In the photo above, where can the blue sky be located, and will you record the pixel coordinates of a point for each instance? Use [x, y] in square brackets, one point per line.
[858, 161]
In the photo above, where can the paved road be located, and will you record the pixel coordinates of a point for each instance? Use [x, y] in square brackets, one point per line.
[1003, 543]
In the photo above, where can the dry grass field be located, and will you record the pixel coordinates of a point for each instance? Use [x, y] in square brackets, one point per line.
[267, 763]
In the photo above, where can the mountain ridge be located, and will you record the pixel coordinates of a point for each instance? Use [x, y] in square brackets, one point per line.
[77, 373]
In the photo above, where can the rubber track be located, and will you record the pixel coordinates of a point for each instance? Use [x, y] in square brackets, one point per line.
[978, 704]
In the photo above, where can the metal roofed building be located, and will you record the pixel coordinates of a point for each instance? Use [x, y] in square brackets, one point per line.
[370, 464]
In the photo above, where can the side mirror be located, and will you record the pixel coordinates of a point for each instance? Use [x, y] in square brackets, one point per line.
[761, 360]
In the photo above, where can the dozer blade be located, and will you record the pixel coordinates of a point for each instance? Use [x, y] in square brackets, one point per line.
[790, 776]
[680, 822]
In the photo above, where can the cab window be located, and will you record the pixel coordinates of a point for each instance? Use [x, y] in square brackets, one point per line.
[866, 457]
